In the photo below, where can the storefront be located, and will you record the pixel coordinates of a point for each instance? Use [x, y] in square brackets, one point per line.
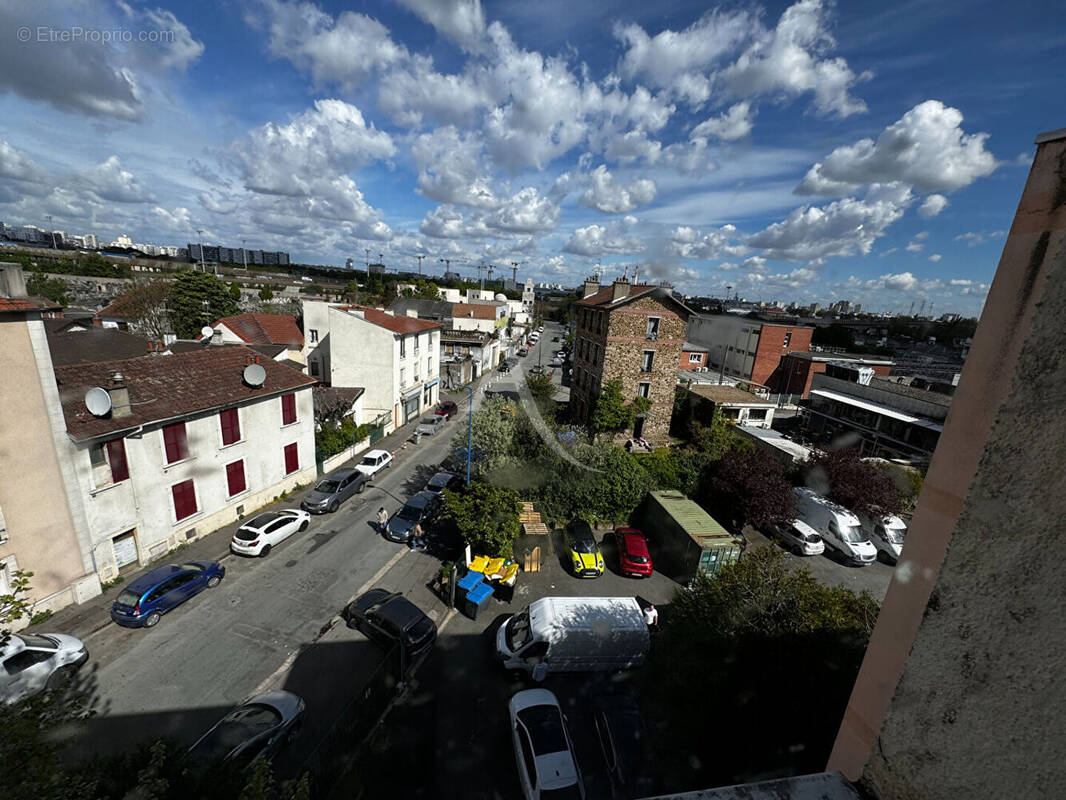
[410, 405]
[430, 393]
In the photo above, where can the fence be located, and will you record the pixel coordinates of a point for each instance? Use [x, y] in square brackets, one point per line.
[380, 423]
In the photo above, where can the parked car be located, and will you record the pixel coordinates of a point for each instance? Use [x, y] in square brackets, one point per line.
[555, 338]
[543, 749]
[536, 369]
[523, 352]
[31, 663]
[586, 561]
[623, 743]
[260, 727]
[838, 527]
[800, 538]
[415, 510]
[387, 617]
[147, 598]
[373, 462]
[633, 555]
[505, 366]
[560, 354]
[540, 329]
[887, 533]
[264, 531]
[447, 409]
[443, 480]
[428, 426]
[334, 489]
[556, 362]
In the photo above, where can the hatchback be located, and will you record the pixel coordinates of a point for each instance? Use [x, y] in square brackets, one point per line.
[258, 728]
[447, 409]
[586, 561]
[333, 490]
[633, 556]
[262, 532]
[388, 617]
[415, 511]
[30, 663]
[443, 480]
[800, 538]
[543, 749]
[374, 461]
[146, 599]
[430, 425]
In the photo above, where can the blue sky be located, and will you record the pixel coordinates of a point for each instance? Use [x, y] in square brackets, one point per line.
[808, 150]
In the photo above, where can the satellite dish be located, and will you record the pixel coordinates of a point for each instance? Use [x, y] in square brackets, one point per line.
[254, 375]
[207, 331]
[98, 401]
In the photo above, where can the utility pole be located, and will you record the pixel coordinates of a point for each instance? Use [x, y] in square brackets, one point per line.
[200, 233]
[367, 251]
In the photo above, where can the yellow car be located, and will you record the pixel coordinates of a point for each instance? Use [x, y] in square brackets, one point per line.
[586, 561]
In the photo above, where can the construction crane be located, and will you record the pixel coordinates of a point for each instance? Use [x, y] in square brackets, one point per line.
[514, 270]
[491, 268]
[420, 265]
[447, 262]
[481, 268]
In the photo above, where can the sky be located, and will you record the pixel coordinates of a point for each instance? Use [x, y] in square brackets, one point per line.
[805, 151]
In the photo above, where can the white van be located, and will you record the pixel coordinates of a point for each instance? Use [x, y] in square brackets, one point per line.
[838, 527]
[886, 532]
[30, 662]
[574, 634]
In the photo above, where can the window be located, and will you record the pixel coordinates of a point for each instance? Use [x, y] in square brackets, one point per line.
[314, 368]
[175, 442]
[643, 390]
[116, 457]
[649, 359]
[292, 459]
[314, 335]
[788, 338]
[108, 463]
[527, 755]
[24, 660]
[416, 344]
[235, 478]
[231, 426]
[757, 413]
[288, 409]
[653, 328]
[695, 358]
[403, 347]
[184, 499]
[403, 377]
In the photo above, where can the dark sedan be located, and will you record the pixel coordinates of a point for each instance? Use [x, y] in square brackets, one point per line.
[414, 512]
[258, 728]
[388, 617]
[147, 598]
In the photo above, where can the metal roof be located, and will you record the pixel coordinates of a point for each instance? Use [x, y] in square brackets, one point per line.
[700, 525]
[879, 408]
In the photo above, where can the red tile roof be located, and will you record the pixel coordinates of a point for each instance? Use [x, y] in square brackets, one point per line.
[604, 295]
[473, 311]
[397, 323]
[26, 304]
[264, 328]
[163, 387]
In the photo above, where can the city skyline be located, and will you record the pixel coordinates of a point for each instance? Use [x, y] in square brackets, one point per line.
[800, 150]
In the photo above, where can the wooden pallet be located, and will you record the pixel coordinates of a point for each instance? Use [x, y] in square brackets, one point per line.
[535, 528]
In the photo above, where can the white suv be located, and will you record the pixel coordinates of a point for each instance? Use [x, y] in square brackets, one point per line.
[374, 461]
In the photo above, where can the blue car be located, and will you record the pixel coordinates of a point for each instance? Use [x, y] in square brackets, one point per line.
[145, 600]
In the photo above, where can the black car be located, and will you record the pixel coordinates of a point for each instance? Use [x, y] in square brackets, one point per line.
[443, 480]
[387, 617]
[623, 744]
[415, 511]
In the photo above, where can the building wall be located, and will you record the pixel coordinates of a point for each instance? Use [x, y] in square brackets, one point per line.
[144, 503]
[776, 341]
[795, 375]
[41, 532]
[363, 354]
[693, 359]
[316, 318]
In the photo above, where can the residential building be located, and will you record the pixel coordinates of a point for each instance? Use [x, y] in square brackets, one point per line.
[743, 347]
[466, 355]
[632, 333]
[797, 369]
[40, 530]
[182, 445]
[694, 357]
[395, 357]
[78, 341]
[528, 295]
[486, 317]
[265, 329]
[743, 408]
[234, 255]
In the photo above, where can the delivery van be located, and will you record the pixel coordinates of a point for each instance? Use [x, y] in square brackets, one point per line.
[574, 634]
[838, 527]
[886, 532]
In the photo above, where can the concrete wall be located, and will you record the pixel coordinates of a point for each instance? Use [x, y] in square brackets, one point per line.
[960, 693]
[727, 337]
[316, 315]
[874, 394]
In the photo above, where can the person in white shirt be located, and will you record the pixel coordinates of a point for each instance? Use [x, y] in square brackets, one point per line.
[651, 616]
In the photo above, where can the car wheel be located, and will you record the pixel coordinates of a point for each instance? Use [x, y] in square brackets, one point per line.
[60, 678]
[265, 551]
[304, 524]
[362, 486]
[214, 581]
[333, 507]
[389, 465]
[151, 619]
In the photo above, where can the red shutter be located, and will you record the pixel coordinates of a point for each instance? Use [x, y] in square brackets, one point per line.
[175, 442]
[288, 409]
[235, 478]
[292, 458]
[231, 426]
[184, 499]
[116, 457]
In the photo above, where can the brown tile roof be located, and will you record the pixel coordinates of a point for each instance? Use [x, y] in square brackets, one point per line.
[397, 323]
[163, 387]
[264, 328]
[473, 311]
[27, 304]
[720, 393]
[604, 295]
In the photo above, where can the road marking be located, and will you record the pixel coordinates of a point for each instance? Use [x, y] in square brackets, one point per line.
[451, 613]
[288, 662]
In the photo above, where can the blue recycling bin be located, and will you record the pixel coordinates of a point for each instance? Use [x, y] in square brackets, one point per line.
[476, 599]
[466, 583]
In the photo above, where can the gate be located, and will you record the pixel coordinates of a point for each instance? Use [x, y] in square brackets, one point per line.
[378, 431]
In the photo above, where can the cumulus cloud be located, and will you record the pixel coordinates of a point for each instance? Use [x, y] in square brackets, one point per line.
[612, 197]
[961, 282]
[460, 20]
[914, 247]
[416, 91]
[446, 222]
[17, 166]
[935, 257]
[176, 220]
[450, 167]
[975, 238]
[598, 240]
[688, 242]
[932, 205]
[845, 227]
[524, 212]
[925, 148]
[109, 181]
[736, 123]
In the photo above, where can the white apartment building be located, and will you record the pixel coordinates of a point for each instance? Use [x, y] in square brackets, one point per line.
[396, 359]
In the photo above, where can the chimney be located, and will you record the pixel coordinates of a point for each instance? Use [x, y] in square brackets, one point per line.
[12, 281]
[216, 337]
[636, 271]
[120, 395]
[592, 285]
[621, 289]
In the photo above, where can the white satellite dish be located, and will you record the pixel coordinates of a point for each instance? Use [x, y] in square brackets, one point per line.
[207, 331]
[98, 401]
[254, 375]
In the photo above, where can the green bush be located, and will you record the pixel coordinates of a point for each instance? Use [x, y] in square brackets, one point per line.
[331, 440]
[485, 516]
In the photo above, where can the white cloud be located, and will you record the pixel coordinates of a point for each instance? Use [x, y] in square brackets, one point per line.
[612, 197]
[597, 240]
[414, 91]
[925, 148]
[688, 242]
[935, 257]
[921, 236]
[736, 123]
[843, 228]
[16, 165]
[446, 222]
[179, 220]
[525, 212]
[961, 282]
[109, 181]
[932, 205]
[914, 247]
[901, 282]
[451, 168]
[975, 238]
[461, 20]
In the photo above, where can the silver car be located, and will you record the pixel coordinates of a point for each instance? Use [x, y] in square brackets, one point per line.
[428, 426]
[30, 663]
[258, 728]
[334, 489]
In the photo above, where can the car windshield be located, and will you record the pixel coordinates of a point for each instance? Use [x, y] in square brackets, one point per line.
[518, 631]
[584, 544]
[33, 640]
[368, 462]
[243, 724]
[638, 559]
[411, 513]
[128, 598]
[327, 487]
[852, 534]
[894, 535]
[545, 726]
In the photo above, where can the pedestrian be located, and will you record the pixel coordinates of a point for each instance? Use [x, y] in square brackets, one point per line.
[416, 537]
[651, 617]
[383, 518]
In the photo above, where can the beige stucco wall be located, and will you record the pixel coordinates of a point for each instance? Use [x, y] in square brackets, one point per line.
[41, 534]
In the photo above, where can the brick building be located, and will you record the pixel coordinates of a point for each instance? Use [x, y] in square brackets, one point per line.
[796, 370]
[633, 333]
[748, 348]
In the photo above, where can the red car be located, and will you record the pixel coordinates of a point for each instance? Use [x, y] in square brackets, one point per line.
[447, 409]
[633, 556]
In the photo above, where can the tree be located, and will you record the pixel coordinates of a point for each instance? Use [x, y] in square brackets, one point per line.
[856, 484]
[610, 412]
[493, 433]
[749, 489]
[540, 386]
[834, 335]
[266, 293]
[485, 516]
[424, 290]
[40, 285]
[145, 306]
[198, 299]
[235, 291]
[717, 437]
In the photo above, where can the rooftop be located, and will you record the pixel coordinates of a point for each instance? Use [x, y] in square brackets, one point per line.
[474, 311]
[79, 345]
[165, 387]
[720, 393]
[27, 304]
[392, 322]
[902, 389]
[862, 358]
[604, 297]
[264, 328]
[452, 335]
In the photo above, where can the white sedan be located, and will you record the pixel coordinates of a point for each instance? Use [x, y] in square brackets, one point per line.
[262, 532]
[542, 747]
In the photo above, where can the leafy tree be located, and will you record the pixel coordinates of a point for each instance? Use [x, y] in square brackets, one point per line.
[717, 437]
[235, 291]
[485, 516]
[96, 265]
[834, 335]
[856, 484]
[198, 299]
[540, 386]
[492, 433]
[610, 412]
[424, 290]
[266, 293]
[331, 438]
[145, 305]
[749, 488]
[662, 467]
[40, 285]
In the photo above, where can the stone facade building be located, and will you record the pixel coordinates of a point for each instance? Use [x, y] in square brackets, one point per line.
[633, 333]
